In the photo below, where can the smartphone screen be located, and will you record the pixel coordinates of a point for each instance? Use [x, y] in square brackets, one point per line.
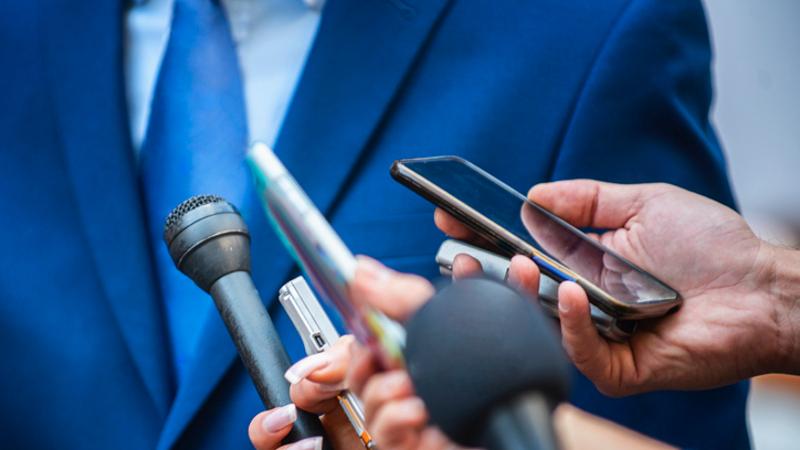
[323, 256]
[519, 226]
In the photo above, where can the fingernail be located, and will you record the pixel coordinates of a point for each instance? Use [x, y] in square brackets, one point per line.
[305, 366]
[414, 406]
[513, 279]
[314, 443]
[280, 419]
[563, 306]
[395, 380]
[457, 269]
[376, 273]
[354, 347]
[333, 387]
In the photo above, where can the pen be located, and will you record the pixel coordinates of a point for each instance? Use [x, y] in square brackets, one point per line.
[318, 333]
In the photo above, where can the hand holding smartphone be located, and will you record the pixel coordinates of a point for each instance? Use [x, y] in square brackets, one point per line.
[518, 226]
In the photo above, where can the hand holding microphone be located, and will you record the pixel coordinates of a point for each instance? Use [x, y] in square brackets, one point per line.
[209, 242]
[479, 355]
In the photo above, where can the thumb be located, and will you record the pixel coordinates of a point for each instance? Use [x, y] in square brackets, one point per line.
[584, 345]
[589, 203]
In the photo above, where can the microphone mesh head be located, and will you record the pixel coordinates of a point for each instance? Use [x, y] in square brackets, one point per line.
[188, 205]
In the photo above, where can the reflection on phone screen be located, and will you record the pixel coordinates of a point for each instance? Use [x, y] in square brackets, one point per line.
[548, 234]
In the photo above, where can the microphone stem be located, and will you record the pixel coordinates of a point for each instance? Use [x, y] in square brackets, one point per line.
[254, 335]
[523, 423]
[260, 348]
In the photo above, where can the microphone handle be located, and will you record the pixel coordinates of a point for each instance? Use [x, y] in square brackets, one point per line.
[261, 349]
[523, 423]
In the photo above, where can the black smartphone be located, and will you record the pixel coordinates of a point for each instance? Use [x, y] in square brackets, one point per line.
[518, 226]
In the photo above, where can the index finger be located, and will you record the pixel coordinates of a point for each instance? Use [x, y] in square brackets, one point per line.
[456, 229]
[452, 226]
[396, 294]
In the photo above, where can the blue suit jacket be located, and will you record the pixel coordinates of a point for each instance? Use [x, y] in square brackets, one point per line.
[531, 91]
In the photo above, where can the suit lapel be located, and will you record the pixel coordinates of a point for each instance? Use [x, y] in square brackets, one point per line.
[361, 55]
[83, 52]
[363, 51]
[216, 355]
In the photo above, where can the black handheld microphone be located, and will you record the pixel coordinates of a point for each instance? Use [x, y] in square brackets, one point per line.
[209, 242]
[488, 366]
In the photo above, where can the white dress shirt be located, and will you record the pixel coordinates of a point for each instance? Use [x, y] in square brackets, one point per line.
[272, 37]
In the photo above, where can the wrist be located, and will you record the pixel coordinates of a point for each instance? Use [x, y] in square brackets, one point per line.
[783, 292]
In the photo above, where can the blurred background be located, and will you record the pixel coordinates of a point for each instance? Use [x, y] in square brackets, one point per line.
[757, 115]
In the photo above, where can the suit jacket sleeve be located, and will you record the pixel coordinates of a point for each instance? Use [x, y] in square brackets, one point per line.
[646, 103]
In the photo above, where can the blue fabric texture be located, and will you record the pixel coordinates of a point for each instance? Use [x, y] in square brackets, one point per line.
[531, 91]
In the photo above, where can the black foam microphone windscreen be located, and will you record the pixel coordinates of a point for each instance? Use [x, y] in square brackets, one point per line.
[476, 345]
